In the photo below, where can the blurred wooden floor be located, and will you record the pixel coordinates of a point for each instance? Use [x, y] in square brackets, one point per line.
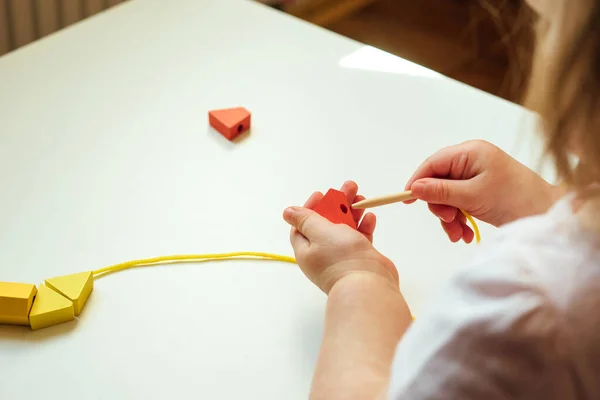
[461, 39]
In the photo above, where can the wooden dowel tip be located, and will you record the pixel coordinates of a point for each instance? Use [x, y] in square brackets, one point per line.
[383, 200]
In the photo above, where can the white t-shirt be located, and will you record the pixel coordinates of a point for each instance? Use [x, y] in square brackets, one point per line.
[521, 322]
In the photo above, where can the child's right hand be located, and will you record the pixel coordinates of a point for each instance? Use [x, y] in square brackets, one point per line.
[481, 179]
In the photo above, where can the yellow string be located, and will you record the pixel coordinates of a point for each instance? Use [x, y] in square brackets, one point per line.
[239, 255]
[473, 224]
[193, 257]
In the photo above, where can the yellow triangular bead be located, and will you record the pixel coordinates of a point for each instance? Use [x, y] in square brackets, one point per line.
[75, 287]
[50, 308]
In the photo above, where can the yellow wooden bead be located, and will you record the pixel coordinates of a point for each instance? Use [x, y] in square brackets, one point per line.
[50, 308]
[75, 287]
[15, 302]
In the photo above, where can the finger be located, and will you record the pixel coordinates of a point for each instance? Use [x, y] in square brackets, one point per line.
[350, 188]
[367, 226]
[449, 162]
[313, 200]
[453, 229]
[298, 241]
[357, 213]
[443, 212]
[468, 234]
[453, 193]
[307, 222]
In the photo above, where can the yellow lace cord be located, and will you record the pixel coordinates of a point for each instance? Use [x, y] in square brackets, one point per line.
[473, 225]
[239, 255]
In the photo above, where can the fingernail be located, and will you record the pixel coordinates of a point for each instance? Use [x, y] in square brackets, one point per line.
[288, 212]
[446, 219]
[417, 186]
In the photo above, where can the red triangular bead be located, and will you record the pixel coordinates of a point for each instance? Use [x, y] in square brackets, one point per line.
[334, 206]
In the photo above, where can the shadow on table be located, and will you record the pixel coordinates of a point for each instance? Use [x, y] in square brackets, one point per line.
[25, 334]
[227, 143]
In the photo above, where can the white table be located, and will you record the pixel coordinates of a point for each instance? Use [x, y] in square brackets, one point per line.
[106, 156]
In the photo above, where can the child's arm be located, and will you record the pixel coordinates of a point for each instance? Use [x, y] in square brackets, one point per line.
[366, 314]
[366, 317]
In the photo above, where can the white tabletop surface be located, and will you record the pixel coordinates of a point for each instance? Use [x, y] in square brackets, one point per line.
[106, 155]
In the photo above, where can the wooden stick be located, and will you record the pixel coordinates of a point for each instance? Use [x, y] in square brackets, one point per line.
[383, 200]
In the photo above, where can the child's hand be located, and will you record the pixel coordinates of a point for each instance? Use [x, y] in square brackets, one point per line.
[327, 252]
[482, 180]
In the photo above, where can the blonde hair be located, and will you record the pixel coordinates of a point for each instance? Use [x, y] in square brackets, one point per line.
[564, 89]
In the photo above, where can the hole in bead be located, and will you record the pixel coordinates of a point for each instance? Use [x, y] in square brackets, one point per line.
[344, 208]
[240, 127]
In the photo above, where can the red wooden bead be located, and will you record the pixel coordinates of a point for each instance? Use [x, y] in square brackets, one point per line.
[334, 206]
[230, 122]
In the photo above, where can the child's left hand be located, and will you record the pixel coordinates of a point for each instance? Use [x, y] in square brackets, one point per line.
[327, 252]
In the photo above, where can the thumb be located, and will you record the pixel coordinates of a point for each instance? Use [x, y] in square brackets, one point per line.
[454, 193]
[306, 221]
